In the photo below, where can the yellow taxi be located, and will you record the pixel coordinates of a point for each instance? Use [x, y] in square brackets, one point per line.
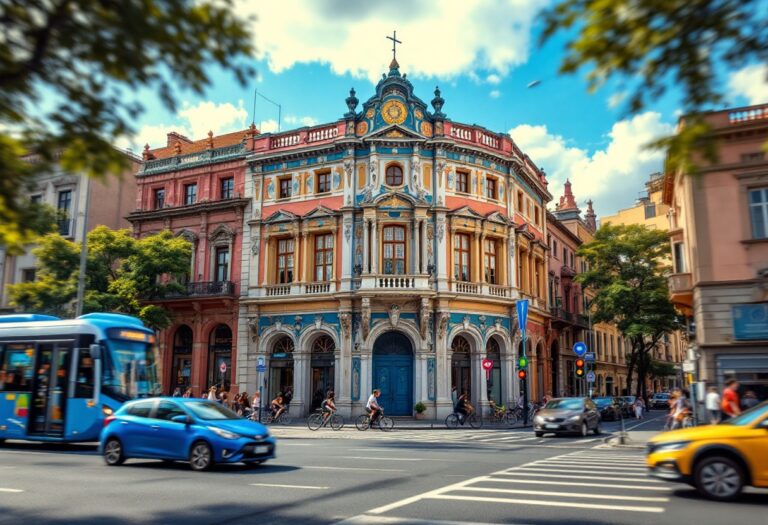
[719, 460]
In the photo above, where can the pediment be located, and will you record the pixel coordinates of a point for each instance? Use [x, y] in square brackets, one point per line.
[498, 218]
[281, 216]
[395, 200]
[465, 211]
[394, 132]
[525, 231]
[320, 211]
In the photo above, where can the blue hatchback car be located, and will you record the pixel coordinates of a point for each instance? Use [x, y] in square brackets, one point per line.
[195, 430]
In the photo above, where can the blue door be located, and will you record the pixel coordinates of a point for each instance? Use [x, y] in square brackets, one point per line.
[393, 373]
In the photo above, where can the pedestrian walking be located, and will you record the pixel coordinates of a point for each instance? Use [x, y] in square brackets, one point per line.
[750, 400]
[639, 407]
[712, 404]
[212, 394]
[730, 406]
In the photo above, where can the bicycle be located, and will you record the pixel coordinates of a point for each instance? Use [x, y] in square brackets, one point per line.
[284, 418]
[502, 417]
[453, 420]
[385, 424]
[316, 421]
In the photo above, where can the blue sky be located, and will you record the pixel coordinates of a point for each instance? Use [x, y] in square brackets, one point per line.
[482, 54]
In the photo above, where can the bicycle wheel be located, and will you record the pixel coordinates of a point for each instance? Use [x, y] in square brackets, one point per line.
[510, 419]
[285, 419]
[452, 421]
[363, 422]
[386, 423]
[315, 421]
[337, 421]
[269, 419]
[475, 422]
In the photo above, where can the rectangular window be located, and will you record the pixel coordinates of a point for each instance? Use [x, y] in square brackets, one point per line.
[554, 248]
[28, 275]
[84, 385]
[222, 264]
[461, 257]
[462, 182]
[650, 210]
[17, 368]
[537, 216]
[520, 202]
[572, 265]
[227, 188]
[490, 188]
[285, 187]
[758, 211]
[324, 257]
[489, 259]
[65, 201]
[679, 255]
[36, 199]
[285, 261]
[159, 198]
[190, 194]
[323, 184]
[394, 250]
[565, 256]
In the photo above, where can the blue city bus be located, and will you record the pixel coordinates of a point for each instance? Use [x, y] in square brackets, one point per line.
[59, 379]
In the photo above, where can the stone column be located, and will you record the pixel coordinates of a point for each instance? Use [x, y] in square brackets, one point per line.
[267, 259]
[441, 255]
[416, 246]
[347, 251]
[424, 241]
[366, 246]
[377, 231]
[301, 371]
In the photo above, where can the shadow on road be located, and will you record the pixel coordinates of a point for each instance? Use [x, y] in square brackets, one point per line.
[53, 448]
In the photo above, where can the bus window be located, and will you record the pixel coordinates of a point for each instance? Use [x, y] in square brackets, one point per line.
[84, 377]
[17, 368]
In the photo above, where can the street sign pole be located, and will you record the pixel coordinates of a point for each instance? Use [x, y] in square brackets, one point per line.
[522, 320]
[260, 368]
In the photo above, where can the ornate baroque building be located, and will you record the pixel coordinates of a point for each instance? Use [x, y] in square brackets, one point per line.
[387, 250]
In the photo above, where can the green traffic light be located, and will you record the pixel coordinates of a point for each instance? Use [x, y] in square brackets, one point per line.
[522, 362]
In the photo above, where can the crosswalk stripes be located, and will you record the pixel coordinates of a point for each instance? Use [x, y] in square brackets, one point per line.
[587, 480]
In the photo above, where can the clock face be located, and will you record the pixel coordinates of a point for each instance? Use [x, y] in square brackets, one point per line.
[394, 112]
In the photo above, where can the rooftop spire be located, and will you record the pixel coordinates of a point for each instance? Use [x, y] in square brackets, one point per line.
[567, 201]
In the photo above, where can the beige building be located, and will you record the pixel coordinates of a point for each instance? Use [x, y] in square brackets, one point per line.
[719, 235]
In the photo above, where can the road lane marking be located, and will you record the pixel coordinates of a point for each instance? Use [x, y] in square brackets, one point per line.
[592, 468]
[12, 491]
[561, 476]
[593, 473]
[364, 519]
[394, 459]
[567, 494]
[540, 503]
[308, 487]
[319, 467]
[576, 484]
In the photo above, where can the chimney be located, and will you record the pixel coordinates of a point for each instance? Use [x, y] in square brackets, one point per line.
[173, 137]
[590, 218]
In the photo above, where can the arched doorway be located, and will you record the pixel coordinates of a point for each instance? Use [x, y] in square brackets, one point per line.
[609, 386]
[220, 357]
[182, 358]
[493, 352]
[461, 367]
[554, 352]
[393, 373]
[322, 362]
[280, 367]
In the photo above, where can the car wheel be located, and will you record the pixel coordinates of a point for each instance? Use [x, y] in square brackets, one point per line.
[113, 452]
[597, 430]
[201, 456]
[719, 478]
[538, 434]
[584, 429]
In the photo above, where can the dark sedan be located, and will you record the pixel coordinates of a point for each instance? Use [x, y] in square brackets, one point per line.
[609, 408]
[577, 415]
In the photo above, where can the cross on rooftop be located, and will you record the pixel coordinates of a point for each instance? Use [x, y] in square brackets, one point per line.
[395, 41]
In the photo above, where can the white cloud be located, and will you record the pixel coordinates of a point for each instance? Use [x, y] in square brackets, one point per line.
[493, 79]
[492, 36]
[616, 99]
[495, 93]
[293, 120]
[267, 126]
[612, 176]
[751, 82]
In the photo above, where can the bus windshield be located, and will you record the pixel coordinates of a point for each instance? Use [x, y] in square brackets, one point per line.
[130, 370]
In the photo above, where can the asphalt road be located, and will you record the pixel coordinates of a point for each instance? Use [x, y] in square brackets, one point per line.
[417, 476]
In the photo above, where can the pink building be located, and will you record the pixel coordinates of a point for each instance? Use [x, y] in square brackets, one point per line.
[719, 235]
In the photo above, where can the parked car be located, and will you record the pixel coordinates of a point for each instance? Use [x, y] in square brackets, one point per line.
[195, 430]
[567, 415]
[629, 403]
[660, 400]
[609, 408]
[719, 460]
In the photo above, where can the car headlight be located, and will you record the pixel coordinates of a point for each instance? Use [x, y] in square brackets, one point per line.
[224, 433]
[670, 446]
[538, 420]
[574, 418]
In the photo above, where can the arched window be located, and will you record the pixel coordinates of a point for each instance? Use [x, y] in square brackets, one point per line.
[492, 347]
[284, 345]
[394, 175]
[460, 345]
[323, 344]
[182, 340]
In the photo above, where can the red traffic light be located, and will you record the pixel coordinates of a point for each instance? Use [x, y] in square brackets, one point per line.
[521, 374]
[579, 363]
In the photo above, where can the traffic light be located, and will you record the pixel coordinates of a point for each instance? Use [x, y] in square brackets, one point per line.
[521, 374]
[580, 368]
[522, 362]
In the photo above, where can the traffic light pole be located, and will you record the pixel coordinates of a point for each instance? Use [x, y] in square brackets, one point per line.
[524, 387]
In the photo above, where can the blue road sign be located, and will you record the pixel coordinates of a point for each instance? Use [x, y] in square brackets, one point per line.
[579, 348]
[589, 357]
[522, 313]
[590, 377]
[260, 366]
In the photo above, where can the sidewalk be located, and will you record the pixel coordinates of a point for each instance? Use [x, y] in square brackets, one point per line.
[409, 423]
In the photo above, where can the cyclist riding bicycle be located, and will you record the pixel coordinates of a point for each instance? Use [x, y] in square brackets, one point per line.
[498, 410]
[372, 406]
[463, 408]
[328, 406]
[277, 406]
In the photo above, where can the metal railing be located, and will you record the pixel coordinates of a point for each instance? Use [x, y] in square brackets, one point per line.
[205, 288]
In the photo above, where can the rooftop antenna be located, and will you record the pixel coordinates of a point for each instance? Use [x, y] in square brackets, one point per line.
[279, 108]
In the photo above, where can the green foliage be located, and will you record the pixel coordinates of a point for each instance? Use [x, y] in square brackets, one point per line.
[661, 369]
[121, 274]
[420, 407]
[653, 44]
[70, 71]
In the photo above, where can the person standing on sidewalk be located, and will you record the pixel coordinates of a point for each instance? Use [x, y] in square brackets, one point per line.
[639, 407]
[730, 406]
[712, 404]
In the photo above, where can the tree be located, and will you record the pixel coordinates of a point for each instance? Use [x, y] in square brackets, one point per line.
[625, 273]
[70, 71]
[652, 44]
[122, 275]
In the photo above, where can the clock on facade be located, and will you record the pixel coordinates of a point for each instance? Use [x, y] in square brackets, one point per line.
[394, 112]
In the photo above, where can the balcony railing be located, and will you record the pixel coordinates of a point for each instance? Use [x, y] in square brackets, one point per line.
[206, 289]
[562, 315]
[277, 290]
[493, 290]
[680, 283]
[315, 288]
[496, 290]
[65, 227]
[466, 287]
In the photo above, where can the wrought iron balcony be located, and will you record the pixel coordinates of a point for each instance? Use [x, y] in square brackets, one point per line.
[206, 289]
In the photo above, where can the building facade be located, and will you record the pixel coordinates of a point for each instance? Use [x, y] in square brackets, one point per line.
[719, 233]
[196, 190]
[387, 250]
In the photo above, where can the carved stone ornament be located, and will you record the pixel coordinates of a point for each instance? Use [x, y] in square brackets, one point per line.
[394, 314]
[345, 320]
[442, 325]
[424, 319]
[372, 171]
[348, 168]
[255, 245]
[440, 232]
[348, 231]
[253, 326]
[415, 168]
[482, 320]
[318, 321]
[465, 322]
[365, 323]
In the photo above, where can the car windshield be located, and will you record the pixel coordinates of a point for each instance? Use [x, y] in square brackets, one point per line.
[661, 396]
[602, 401]
[210, 411]
[130, 370]
[565, 404]
[750, 416]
